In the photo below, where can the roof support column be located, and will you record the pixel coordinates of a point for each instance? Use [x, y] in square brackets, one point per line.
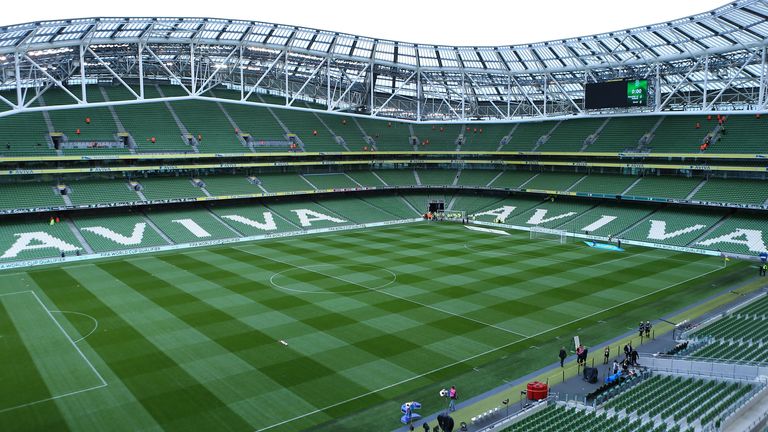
[285, 72]
[463, 96]
[17, 65]
[706, 82]
[657, 91]
[545, 95]
[418, 95]
[141, 70]
[328, 96]
[192, 67]
[761, 97]
[509, 94]
[82, 74]
[242, 79]
[373, 85]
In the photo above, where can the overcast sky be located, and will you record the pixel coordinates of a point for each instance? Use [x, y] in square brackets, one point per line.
[484, 22]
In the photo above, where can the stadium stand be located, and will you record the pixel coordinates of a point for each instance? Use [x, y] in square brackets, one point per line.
[526, 136]
[190, 225]
[474, 203]
[392, 205]
[604, 184]
[554, 181]
[221, 185]
[9, 234]
[401, 177]
[258, 122]
[84, 192]
[127, 231]
[331, 181]
[438, 137]
[476, 178]
[443, 177]
[746, 228]
[25, 134]
[365, 178]
[209, 126]
[744, 134]
[512, 179]
[29, 195]
[570, 135]
[486, 137]
[168, 188]
[552, 214]
[284, 183]
[252, 219]
[310, 129]
[664, 187]
[677, 398]
[679, 134]
[355, 210]
[680, 226]
[289, 211]
[622, 134]
[742, 191]
[388, 135]
[626, 215]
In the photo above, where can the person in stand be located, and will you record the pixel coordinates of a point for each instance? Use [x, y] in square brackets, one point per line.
[627, 350]
[633, 357]
[615, 368]
[452, 395]
[606, 354]
[647, 329]
[563, 354]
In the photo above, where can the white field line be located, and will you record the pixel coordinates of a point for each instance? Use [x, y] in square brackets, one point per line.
[385, 293]
[95, 322]
[53, 398]
[103, 382]
[477, 355]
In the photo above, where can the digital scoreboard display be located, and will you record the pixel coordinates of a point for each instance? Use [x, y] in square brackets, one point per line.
[616, 94]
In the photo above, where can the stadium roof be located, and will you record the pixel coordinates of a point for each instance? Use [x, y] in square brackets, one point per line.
[742, 23]
[713, 61]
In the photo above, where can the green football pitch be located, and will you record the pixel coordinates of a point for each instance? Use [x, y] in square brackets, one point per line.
[327, 332]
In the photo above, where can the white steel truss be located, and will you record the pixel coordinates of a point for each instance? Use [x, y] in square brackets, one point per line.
[714, 62]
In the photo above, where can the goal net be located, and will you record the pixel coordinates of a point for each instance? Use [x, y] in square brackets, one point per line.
[539, 233]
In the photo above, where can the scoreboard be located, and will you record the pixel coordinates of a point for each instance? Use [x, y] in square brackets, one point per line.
[616, 94]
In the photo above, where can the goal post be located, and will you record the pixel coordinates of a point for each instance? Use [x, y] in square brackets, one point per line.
[540, 233]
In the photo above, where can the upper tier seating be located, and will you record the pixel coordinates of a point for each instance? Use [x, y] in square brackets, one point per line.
[571, 134]
[622, 134]
[485, 137]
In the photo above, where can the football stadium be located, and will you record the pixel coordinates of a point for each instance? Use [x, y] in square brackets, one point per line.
[224, 225]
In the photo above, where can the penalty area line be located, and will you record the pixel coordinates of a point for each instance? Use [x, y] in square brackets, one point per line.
[415, 377]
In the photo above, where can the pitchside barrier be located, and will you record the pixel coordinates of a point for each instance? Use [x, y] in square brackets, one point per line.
[117, 253]
[623, 241]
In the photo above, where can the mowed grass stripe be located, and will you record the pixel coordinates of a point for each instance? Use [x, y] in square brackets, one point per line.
[352, 325]
[23, 385]
[174, 399]
[245, 342]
